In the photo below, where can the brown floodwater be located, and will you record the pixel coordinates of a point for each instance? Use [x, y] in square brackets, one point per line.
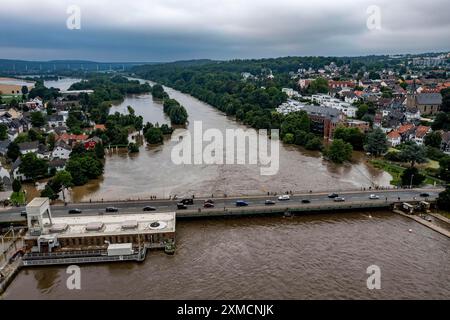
[321, 256]
[152, 172]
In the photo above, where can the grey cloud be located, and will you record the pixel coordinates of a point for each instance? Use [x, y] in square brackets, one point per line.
[165, 30]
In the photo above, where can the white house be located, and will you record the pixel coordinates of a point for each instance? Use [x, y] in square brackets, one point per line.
[29, 147]
[61, 150]
[394, 138]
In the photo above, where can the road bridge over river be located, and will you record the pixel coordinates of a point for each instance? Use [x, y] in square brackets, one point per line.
[256, 204]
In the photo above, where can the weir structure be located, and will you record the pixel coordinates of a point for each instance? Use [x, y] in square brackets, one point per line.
[90, 239]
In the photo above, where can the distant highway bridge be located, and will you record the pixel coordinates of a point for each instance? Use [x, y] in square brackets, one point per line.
[256, 204]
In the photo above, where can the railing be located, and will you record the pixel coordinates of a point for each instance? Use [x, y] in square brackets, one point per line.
[77, 260]
[249, 195]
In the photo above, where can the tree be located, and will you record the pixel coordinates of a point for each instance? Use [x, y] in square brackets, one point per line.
[288, 138]
[314, 143]
[444, 168]
[445, 106]
[376, 142]
[158, 92]
[154, 136]
[13, 151]
[412, 172]
[413, 153]
[443, 200]
[351, 135]
[320, 85]
[339, 151]
[51, 140]
[32, 167]
[433, 139]
[63, 178]
[176, 112]
[99, 150]
[441, 122]
[14, 103]
[48, 192]
[3, 132]
[24, 90]
[362, 111]
[133, 147]
[16, 185]
[37, 119]
[83, 167]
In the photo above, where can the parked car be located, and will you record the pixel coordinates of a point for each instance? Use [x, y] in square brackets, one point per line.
[424, 195]
[187, 201]
[269, 202]
[241, 203]
[181, 206]
[208, 205]
[339, 199]
[284, 197]
[74, 211]
[374, 197]
[112, 209]
[23, 213]
[148, 208]
[306, 201]
[333, 195]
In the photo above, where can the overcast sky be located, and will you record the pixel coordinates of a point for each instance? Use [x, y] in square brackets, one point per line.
[167, 30]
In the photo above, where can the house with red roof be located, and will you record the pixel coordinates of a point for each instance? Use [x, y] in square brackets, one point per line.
[394, 138]
[72, 139]
[420, 133]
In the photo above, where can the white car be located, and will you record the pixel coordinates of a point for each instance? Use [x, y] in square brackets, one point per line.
[284, 197]
[374, 197]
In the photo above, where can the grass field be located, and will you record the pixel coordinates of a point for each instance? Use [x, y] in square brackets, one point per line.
[396, 171]
[18, 198]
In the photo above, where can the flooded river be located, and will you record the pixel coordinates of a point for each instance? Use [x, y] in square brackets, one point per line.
[152, 172]
[306, 257]
[323, 256]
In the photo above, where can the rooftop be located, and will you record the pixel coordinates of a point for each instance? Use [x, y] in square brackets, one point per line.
[103, 225]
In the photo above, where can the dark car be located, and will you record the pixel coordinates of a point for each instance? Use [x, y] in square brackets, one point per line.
[208, 205]
[424, 195]
[187, 201]
[209, 201]
[333, 195]
[111, 209]
[306, 201]
[148, 208]
[23, 213]
[74, 211]
[269, 202]
[241, 203]
[181, 206]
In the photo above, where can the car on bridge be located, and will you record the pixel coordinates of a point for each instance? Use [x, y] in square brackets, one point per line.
[241, 203]
[306, 201]
[339, 199]
[187, 201]
[112, 209]
[75, 211]
[181, 206]
[269, 202]
[23, 214]
[208, 205]
[374, 197]
[148, 208]
[284, 197]
[333, 195]
[424, 195]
